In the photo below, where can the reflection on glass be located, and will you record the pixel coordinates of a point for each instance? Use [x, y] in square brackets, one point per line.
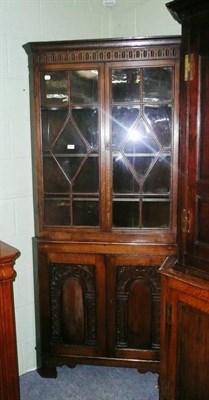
[141, 164]
[158, 180]
[70, 165]
[70, 141]
[123, 179]
[84, 86]
[56, 211]
[142, 134]
[155, 214]
[87, 180]
[54, 88]
[122, 119]
[141, 140]
[87, 121]
[126, 85]
[52, 123]
[55, 180]
[157, 84]
[126, 213]
[86, 212]
[160, 119]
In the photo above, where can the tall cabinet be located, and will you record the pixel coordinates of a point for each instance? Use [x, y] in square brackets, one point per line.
[185, 282]
[105, 154]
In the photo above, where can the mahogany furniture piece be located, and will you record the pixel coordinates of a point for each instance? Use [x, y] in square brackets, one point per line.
[105, 155]
[9, 378]
[185, 297]
[185, 338]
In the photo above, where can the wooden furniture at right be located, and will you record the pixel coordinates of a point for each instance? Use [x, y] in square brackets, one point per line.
[185, 336]
[185, 282]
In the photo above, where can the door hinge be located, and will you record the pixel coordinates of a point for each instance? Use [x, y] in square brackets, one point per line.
[168, 314]
[189, 67]
[186, 221]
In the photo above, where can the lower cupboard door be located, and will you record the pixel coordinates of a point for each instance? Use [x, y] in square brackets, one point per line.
[77, 305]
[134, 305]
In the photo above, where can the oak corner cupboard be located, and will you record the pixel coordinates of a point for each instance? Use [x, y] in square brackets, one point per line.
[105, 155]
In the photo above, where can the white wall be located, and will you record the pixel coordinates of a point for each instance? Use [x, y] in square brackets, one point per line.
[37, 20]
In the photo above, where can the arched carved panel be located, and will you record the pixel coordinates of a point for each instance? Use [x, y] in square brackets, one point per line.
[72, 289]
[138, 307]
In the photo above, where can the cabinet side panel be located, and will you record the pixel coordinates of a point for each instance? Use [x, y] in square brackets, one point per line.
[193, 354]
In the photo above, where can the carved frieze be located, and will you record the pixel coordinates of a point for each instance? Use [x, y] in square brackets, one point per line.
[107, 54]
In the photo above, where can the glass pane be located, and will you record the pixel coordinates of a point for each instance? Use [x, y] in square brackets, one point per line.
[70, 165]
[56, 211]
[54, 88]
[87, 121]
[204, 118]
[84, 86]
[123, 179]
[158, 181]
[52, 123]
[141, 165]
[160, 118]
[86, 213]
[122, 119]
[155, 214]
[203, 221]
[88, 179]
[54, 178]
[126, 85]
[126, 213]
[157, 84]
[141, 140]
[70, 142]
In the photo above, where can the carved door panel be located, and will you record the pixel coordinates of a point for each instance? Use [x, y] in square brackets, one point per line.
[133, 304]
[73, 308]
